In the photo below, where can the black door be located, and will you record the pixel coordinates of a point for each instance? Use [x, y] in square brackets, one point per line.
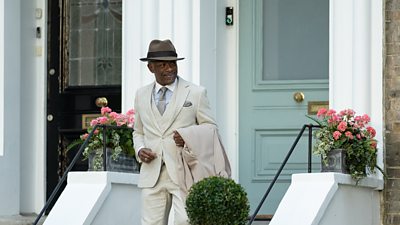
[84, 73]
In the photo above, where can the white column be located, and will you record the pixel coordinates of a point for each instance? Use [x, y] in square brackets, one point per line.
[144, 21]
[356, 52]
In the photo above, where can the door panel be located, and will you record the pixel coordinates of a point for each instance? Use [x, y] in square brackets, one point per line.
[84, 64]
[283, 50]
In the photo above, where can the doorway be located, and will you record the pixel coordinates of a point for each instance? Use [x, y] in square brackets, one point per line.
[84, 74]
[283, 71]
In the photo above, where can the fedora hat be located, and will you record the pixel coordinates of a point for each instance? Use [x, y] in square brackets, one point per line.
[161, 51]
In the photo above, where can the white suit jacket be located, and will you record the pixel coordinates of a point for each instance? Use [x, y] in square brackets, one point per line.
[188, 106]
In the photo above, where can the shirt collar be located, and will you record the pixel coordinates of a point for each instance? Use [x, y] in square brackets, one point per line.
[170, 87]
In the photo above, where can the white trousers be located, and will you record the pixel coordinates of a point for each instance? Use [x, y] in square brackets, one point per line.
[157, 202]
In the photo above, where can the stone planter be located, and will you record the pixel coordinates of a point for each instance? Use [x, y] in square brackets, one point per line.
[123, 163]
[336, 162]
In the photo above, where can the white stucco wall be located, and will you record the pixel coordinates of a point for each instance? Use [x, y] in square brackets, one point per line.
[2, 78]
[10, 160]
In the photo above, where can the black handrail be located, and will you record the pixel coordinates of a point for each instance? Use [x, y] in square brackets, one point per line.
[76, 157]
[310, 127]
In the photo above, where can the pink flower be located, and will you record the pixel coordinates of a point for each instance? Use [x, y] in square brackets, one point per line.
[371, 131]
[347, 112]
[373, 144]
[349, 135]
[84, 136]
[131, 121]
[105, 110]
[130, 112]
[102, 120]
[342, 126]
[336, 135]
[330, 112]
[93, 122]
[113, 115]
[366, 118]
[321, 112]
[358, 136]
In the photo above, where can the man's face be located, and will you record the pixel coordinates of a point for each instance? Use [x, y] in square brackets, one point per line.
[164, 71]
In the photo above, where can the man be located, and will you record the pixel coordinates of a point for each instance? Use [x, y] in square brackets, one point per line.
[158, 115]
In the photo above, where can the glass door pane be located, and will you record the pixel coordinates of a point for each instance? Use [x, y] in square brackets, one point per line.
[295, 39]
[93, 43]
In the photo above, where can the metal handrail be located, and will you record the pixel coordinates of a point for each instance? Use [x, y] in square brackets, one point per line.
[310, 127]
[76, 157]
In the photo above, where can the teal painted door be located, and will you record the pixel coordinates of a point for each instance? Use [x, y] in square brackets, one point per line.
[284, 49]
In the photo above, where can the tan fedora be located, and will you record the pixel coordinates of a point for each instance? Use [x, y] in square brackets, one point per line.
[161, 51]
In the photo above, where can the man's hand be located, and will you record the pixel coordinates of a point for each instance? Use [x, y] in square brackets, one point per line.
[146, 155]
[178, 139]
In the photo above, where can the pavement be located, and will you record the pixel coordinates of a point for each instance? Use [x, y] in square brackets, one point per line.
[30, 218]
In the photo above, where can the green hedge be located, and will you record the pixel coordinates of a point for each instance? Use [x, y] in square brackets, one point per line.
[217, 201]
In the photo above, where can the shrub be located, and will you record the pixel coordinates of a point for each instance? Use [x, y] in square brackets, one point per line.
[217, 201]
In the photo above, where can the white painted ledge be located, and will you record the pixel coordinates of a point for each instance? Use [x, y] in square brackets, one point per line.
[98, 198]
[328, 199]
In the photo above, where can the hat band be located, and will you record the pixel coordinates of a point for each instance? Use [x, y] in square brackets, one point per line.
[161, 54]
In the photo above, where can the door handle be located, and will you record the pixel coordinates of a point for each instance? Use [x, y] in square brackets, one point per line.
[298, 97]
[101, 102]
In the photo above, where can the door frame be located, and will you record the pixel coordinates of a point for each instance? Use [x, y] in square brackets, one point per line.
[227, 113]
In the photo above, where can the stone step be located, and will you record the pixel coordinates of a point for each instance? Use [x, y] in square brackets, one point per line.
[20, 220]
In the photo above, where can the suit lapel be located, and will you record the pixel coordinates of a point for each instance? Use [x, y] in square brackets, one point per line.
[175, 105]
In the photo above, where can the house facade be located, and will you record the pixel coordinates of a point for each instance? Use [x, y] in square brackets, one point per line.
[339, 53]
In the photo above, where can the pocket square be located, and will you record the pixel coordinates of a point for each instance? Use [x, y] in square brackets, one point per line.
[187, 104]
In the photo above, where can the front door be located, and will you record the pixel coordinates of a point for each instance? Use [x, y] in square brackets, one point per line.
[283, 74]
[84, 73]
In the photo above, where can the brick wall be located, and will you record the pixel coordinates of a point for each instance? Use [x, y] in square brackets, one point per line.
[391, 193]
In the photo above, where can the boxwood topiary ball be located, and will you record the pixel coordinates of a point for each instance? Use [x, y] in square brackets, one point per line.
[217, 201]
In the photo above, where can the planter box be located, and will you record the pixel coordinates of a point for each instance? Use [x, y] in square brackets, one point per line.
[123, 163]
[336, 162]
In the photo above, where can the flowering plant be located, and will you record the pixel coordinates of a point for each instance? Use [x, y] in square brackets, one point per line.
[345, 130]
[118, 140]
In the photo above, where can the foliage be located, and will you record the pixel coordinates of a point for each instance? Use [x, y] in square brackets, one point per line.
[345, 130]
[217, 200]
[119, 140]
